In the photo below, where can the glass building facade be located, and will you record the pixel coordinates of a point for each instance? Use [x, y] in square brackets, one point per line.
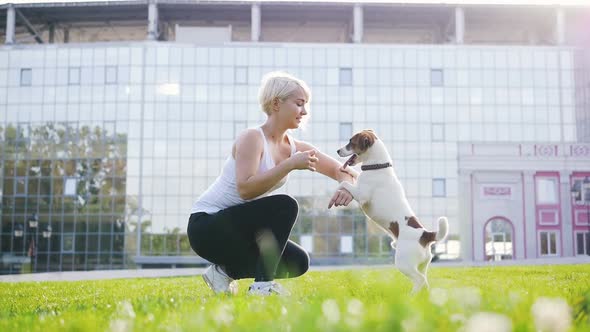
[105, 147]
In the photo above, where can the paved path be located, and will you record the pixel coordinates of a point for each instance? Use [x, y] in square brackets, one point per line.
[162, 273]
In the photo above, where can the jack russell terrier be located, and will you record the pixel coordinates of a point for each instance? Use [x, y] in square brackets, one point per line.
[382, 198]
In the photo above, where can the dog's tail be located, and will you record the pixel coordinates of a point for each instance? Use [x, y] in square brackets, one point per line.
[443, 229]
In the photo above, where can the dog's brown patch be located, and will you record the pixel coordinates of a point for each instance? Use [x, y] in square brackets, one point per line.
[361, 141]
[427, 238]
[413, 222]
[394, 228]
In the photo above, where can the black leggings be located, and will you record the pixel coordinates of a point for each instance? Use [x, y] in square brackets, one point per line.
[251, 240]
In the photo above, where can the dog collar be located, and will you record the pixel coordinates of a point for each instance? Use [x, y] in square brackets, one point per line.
[375, 166]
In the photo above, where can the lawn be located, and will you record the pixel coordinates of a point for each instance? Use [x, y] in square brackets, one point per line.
[468, 299]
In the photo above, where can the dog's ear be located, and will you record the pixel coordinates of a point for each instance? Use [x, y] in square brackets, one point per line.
[366, 143]
[367, 140]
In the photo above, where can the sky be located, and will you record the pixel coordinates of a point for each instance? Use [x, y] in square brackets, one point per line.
[501, 2]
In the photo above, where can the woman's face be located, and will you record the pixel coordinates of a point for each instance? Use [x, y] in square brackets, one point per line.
[292, 109]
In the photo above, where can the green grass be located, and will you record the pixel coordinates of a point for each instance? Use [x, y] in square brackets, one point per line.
[362, 300]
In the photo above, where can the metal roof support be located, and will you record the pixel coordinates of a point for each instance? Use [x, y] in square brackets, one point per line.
[30, 28]
[10, 24]
[153, 32]
[357, 33]
[559, 26]
[52, 33]
[255, 17]
[459, 25]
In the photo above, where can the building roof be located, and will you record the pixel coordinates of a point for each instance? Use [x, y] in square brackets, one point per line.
[86, 3]
[79, 13]
[67, 12]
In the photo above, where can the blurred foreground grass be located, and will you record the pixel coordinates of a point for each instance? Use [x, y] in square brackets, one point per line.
[469, 299]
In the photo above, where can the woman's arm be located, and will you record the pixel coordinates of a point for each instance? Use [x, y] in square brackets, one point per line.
[329, 166]
[248, 151]
[332, 168]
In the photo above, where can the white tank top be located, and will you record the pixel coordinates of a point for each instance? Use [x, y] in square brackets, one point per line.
[223, 193]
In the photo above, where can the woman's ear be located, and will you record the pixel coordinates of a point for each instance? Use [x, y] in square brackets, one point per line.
[275, 104]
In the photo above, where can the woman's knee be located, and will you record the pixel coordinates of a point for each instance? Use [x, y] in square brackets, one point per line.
[304, 262]
[300, 260]
[287, 204]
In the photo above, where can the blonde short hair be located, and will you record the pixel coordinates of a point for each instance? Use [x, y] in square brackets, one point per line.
[278, 84]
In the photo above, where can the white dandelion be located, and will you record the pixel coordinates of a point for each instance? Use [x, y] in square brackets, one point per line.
[121, 325]
[488, 322]
[355, 312]
[438, 296]
[223, 314]
[331, 311]
[125, 310]
[468, 297]
[551, 315]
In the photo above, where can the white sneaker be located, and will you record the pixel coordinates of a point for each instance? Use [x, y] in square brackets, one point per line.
[219, 281]
[266, 288]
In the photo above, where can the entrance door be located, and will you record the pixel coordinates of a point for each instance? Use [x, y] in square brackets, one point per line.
[498, 240]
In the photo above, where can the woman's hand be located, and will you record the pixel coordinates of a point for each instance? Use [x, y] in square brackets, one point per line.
[341, 198]
[304, 160]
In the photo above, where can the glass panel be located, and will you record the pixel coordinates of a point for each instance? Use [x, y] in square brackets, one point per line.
[438, 132]
[345, 76]
[70, 186]
[67, 244]
[26, 76]
[544, 248]
[241, 75]
[553, 246]
[580, 243]
[345, 131]
[74, 76]
[547, 191]
[111, 75]
[436, 77]
[438, 188]
[20, 186]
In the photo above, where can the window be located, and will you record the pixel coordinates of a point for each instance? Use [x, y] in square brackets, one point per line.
[241, 75]
[20, 186]
[548, 243]
[498, 239]
[439, 188]
[67, 243]
[577, 187]
[345, 131]
[26, 77]
[345, 77]
[111, 75]
[547, 191]
[307, 242]
[438, 132]
[436, 77]
[346, 244]
[583, 243]
[70, 185]
[74, 76]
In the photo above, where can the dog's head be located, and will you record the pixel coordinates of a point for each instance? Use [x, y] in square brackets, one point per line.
[358, 144]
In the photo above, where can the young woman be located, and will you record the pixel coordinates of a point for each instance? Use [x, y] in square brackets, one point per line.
[236, 224]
